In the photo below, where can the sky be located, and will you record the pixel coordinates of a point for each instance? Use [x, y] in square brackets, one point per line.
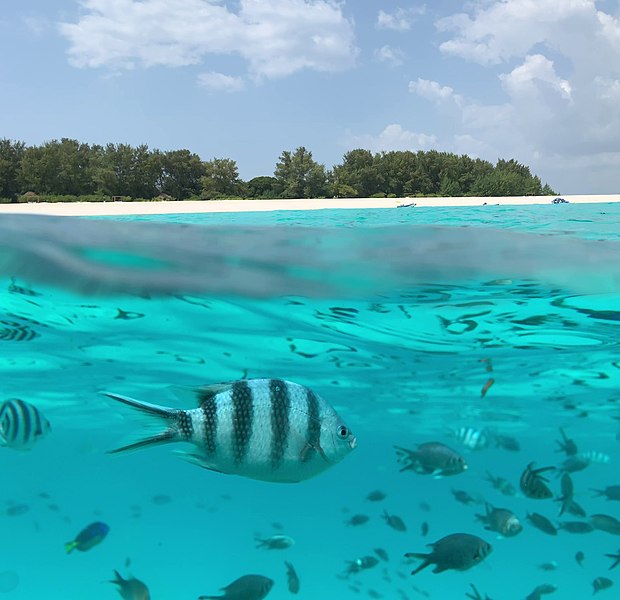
[534, 80]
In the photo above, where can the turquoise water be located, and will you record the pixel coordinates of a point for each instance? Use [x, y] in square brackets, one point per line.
[394, 316]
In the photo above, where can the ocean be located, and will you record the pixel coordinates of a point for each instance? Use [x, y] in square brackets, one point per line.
[415, 324]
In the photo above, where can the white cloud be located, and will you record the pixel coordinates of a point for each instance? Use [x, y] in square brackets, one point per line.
[527, 79]
[275, 37]
[388, 54]
[218, 82]
[434, 91]
[400, 20]
[393, 137]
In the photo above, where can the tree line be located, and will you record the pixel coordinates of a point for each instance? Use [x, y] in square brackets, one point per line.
[67, 169]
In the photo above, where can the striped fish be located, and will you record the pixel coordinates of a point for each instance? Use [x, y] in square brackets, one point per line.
[267, 429]
[21, 424]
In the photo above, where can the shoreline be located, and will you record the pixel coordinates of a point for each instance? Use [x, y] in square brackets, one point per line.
[97, 209]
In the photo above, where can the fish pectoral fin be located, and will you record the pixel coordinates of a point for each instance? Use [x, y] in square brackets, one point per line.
[200, 461]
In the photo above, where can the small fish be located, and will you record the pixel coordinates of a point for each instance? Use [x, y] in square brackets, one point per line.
[566, 445]
[548, 566]
[542, 523]
[275, 542]
[376, 496]
[501, 485]
[540, 590]
[88, 538]
[474, 439]
[131, 589]
[463, 497]
[611, 492]
[616, 558]
[424, 529]
[382, 554]
[593, 456]
[601, 583]
[486, 387]
[247, 587]
[575, 509]
[394, 521]
[21, 424]
[17, 509]
[576, 526]
[458, 551]
[161, 499]
[357, 520]
[567, 492]
[501, 520]
[573, 464]
[431, 458]
[292, 578]
[533, 485]
[580, 557]
[360, 564]
[605, 523]
[266, 429]
[507, 442]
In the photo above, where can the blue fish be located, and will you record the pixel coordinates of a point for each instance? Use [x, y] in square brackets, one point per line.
[88, 538]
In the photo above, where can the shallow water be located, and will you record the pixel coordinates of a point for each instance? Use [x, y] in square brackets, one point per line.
[394, 316]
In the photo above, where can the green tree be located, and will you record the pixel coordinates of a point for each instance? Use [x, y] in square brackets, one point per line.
[299, 175]
[11, 154]
[357, 176]
[179, 173]
[221, 179]
[263, 187]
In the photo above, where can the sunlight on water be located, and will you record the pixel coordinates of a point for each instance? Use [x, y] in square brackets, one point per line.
[416, 325]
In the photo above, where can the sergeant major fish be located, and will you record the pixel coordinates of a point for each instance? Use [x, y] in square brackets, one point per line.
[533, 484]
[266, 429]
[21, 424]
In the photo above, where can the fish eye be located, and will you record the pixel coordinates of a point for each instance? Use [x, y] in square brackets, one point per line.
[343, 432]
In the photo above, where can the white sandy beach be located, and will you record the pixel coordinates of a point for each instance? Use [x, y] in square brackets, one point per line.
[93, 209]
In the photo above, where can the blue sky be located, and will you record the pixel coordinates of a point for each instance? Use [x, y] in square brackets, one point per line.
[538, 81]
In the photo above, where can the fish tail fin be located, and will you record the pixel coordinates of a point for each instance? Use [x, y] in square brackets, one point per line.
[118, 578]
[170, 415]
[70, 546]
[421, 555]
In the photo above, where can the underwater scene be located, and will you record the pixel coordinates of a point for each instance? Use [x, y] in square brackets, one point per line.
[389, 404]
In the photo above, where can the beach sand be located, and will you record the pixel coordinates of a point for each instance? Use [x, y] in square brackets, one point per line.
[93, 209]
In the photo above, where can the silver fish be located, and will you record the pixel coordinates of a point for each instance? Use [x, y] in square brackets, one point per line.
[21, 424]
[267, 429]
[275, 542]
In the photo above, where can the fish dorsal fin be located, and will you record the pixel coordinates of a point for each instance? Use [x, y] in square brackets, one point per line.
[190, 396]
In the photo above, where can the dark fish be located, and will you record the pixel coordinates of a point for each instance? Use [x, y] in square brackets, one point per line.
[567, 492]
[541, 522]
[376, 496]
[501, 485]
[463, 497]
[540, 590]
[267, 429]
[576, 526]
[292, 578]
[533, 485]
[458, 551]
[131, 589]
[21, 424]
[476, 595]
[375, 594]
[360, 564]
[88, 538]
[382, 554]
[486, 387]
[424, 529]
[431, 458]
[573, 464]
[566, 445]
[548, 566]
[507, 442]
[501, 520]
[247, 587]
[611, 492]
[616, 558]
[394, 521]
[17, 509]
[161, 499]
[275, 542]
[575, 509]
[600, 584]
[580, 557]
[356, 520]
[605, 523]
